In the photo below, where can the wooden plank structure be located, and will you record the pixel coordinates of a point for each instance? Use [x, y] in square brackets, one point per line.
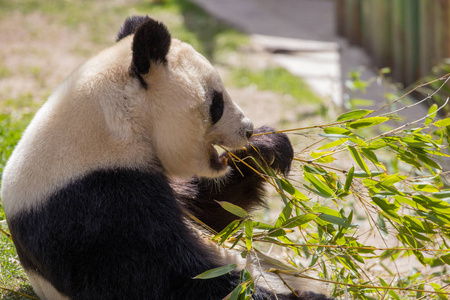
[409, 36]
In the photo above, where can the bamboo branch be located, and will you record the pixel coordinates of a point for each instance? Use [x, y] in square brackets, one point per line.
[357, 285]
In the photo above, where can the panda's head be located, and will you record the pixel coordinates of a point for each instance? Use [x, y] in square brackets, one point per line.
[184, 108]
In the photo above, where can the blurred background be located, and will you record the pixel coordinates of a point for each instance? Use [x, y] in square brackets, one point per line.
[407, 41]
[350, 53]
[287, 63]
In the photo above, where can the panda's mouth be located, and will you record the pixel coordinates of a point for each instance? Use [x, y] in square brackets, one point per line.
[217, 162]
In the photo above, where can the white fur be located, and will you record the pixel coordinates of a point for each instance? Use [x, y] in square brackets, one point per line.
[75, 132]
[183, 134]
[43, 288]
[101, 117]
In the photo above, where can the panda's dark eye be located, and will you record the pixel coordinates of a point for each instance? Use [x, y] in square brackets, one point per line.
[216, 109]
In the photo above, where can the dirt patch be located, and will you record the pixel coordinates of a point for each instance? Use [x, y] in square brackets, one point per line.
[38, 55]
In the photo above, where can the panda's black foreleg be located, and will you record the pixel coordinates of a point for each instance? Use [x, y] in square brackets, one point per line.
[243, 185]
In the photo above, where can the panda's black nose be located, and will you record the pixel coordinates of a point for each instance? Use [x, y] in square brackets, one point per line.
[249, 133]
[247, 128]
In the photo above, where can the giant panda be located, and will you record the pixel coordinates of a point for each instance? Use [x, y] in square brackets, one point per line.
[97, 190]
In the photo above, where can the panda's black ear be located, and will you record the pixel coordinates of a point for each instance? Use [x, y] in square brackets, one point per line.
[130, 25]
[151, 44]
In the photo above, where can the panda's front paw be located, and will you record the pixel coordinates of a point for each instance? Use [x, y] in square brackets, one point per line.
[273, 149]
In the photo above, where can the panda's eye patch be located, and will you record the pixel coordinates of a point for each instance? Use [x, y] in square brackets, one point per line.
[217, 106]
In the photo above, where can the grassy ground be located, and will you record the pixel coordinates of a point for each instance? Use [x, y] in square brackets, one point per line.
[44, 40]
[274, 79]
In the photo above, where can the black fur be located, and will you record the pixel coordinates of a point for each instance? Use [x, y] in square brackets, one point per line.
[120, 234]
[216, 108]
[130, 25]
[151, 44]
[116, 234]
[244, 187]
[273, 149]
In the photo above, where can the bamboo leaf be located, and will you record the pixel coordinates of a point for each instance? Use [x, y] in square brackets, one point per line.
[370, 155]
[362, 174]
[277, 233]
[358, 159]
[419, 295]
[407, 239]
[325, 159]
[233, 227]
[392, 179]
[354, 114]
[317, 192]
[442, 194]
[437, 288]
[234, 209]
[433, 218]
[216, 272]
[262, 226]
[298, 221]
[319, 185]
[382, 225]
[337, 130]
[367, 122]
[389, 208]
[409, 160]
[248, 233]
[358, 141]
[428, 161]
[235, 295]
[426, 188]
[377, 144]
[284, 215]
[335, 220]
[349, 179]
[247, 282]
[431, 114]
[442, 123]
[288, 187]
[238, 239]
[314, 170]
[332, 144]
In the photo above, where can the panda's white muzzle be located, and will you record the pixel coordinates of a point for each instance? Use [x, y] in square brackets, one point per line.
[231, 140]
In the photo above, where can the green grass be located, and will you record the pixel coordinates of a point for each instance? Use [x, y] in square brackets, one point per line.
[11, 128]
[4, 71]
[277, 80]
[12, 277]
